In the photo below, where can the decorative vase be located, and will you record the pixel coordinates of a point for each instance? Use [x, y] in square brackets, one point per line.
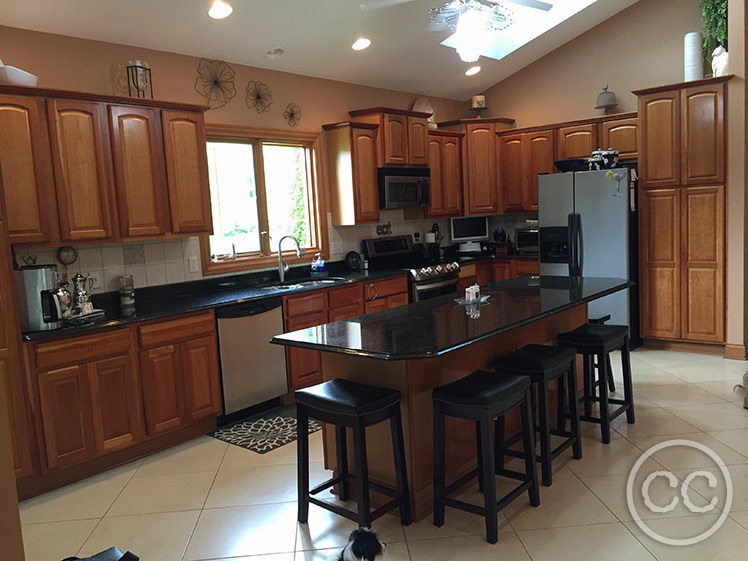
[720, 60]
[693, 61]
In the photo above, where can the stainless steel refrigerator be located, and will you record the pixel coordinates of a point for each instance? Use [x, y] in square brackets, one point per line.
[588, 229]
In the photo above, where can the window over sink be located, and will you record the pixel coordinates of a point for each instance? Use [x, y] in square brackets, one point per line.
[264, 185]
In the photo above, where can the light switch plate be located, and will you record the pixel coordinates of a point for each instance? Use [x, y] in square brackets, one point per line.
[194, 265]
[97, 277]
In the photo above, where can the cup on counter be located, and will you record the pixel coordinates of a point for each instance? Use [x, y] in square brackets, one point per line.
[126, 295]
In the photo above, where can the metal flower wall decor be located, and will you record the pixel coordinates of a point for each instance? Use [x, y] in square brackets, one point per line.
[292, 114]
[259, 96]
[215, 82]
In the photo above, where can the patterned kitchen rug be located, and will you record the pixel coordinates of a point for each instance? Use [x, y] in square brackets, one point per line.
[266, 432]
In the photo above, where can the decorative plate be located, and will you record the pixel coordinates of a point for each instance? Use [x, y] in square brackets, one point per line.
[423, 105]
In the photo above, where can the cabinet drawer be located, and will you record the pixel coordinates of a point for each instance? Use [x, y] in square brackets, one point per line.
[346, 312]
[526, 268]
[468, 270]
[345, 296]
[300, 305]
[165, 332]
[302, 322]
[78, 350]
[384, 288]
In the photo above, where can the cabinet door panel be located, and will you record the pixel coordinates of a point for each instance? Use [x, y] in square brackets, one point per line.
[82, 173]
[162, 389]
[703, 235]
[201, 381]
[520, 268]
[395, 140]
[26, 170]
[418, 137]
[512, 172]
[660, 235]
[703, 135]
[303, 365]
[621, 135]
[577, 142]
[365, 185]
[452, 175]
[538, 159]
[436, 163]
[485, 274]
[19, 432]
[139, 171]
[187, 171]
[502, 271]
[481, 193]
[376, 305]
[66, 416]
[659, 145]
[397, 300]
[115, 403]
[346, 312]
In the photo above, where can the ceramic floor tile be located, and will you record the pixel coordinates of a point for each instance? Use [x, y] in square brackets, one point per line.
[121, 472]
[393, 552]
[671, 395]
[739, 478]
[271, 557]
[163, 493]
[149, 536]
[737, 439]
[55, 540]
[236, 456]
[654, 422]
[723, 389]
[682, 457]
[599, 459]
[325, 530]
[237, 486]
[704, 372]
[473, 548]
[727, 544]
[202, 454]
[245, 530]
[82, 500]
[648, 375]
[611, 542]
[715, 417]
[740, 517]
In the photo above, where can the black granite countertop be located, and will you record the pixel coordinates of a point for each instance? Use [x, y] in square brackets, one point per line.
[431, 328]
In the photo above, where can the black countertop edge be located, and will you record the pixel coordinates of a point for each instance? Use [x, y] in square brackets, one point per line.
[279, 340]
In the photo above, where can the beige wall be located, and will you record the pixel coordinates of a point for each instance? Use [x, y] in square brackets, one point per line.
[640, 47]
[92, 66]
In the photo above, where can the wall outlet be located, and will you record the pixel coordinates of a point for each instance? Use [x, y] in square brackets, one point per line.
[336, 247]
[194, 265]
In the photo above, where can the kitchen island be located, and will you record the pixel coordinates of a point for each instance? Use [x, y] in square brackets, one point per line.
[418, 347]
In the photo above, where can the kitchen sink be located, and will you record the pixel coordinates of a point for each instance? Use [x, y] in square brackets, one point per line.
[324, 281]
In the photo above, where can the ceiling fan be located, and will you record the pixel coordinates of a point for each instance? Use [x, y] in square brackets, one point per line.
[536, 4]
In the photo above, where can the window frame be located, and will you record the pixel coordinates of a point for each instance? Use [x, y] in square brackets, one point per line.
[268, 257]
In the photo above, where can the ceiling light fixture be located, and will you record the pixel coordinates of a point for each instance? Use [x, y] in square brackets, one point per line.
[473, 23]
[275, 52]
[220, 9]
[360, 44]
[472, 71]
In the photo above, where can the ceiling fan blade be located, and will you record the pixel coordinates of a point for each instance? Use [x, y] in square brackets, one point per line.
[537, 4]
[433, 26]
[377, 4]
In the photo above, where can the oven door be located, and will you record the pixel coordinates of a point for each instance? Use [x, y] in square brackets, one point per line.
[424, 290]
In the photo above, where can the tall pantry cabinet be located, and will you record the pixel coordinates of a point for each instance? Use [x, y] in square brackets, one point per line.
[682, 211]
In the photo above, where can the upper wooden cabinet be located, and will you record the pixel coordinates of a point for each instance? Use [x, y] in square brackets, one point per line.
[139, 172]
[403, 135]
[521, 158]
[351, 155]
[621, 135]
[577, 141]
[26, 167]
[83, 174]
[187, 171]
[682, 134]
[539, 149]
[445, 150]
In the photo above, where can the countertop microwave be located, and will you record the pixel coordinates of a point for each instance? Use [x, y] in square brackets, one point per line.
[527, 240]
[404, 187]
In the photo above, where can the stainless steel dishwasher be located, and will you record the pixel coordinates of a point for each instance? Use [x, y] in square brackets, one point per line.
[252, 370]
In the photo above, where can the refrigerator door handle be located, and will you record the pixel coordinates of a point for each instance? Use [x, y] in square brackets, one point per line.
[570, 243]
[580, 245]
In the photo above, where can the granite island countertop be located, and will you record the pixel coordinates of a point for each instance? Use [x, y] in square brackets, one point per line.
[434, 327]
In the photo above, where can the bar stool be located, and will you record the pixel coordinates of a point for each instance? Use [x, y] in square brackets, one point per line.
[611, 381]
[349, 404]
[482, 396]
[543, 364]
[596, 342]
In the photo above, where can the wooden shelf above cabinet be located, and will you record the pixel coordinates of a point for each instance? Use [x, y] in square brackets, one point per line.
[681, 85]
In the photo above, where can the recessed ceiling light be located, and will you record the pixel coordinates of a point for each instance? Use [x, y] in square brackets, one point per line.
[275, 52]
[472, 71]
[361, 43]
[220, 9]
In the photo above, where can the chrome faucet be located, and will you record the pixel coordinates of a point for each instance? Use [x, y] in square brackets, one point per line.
[282, 265]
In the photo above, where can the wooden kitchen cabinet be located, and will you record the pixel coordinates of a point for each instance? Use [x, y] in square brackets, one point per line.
[659, 139]
[445, 149]
[538, 157]
[187, 171]
[484, 273]
[403, 138]
[621, 135]
[162, 389]
[351, 155]
[385, 294]
[525, 267]
[502, 271]
[703, 135]
[82, 169]
[577, 141]
[303, 365]
[395, 140]
[140, 177]
[522, 157]
[26, 167]
[418, 138]
[481, 186]
[345, 302]
[201, 378]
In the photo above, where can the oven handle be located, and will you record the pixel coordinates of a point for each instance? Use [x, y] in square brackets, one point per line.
[421, 287]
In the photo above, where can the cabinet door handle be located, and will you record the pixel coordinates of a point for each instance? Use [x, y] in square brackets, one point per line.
[376, 292]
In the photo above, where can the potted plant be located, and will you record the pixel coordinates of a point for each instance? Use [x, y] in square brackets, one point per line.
[714, 18]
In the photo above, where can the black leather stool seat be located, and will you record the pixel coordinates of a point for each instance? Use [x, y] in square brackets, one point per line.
[344, 397]
[482, 389]
[540, 362]
[594, 338]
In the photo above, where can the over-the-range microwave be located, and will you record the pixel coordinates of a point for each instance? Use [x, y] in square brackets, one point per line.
[404, 187]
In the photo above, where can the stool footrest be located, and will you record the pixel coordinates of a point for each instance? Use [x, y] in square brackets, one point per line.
[500, 504]
[560, 448]
[344, 512]
[448, 490]
[512, 474]
[327, 484]
[514, 454]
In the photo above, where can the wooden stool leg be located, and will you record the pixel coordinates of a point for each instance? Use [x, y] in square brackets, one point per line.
[341, 447]
[302, 462]
[479, 443]
[628, 390]
[362, 475]
[439, 505]
[561, 404]
[589, 384]
[401, 474]
[545, 433]
[499, 443]
[604, 412]
[574, 411]
[611, 381]
[488, 465]
[528, 440]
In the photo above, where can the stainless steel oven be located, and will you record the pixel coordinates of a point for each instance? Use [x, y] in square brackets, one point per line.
[431, 282]
[528, 241]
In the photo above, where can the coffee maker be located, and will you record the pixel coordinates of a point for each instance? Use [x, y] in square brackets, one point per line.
[39, 305]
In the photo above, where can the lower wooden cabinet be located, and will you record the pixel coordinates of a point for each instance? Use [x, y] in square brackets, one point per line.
[201, 379]
[502, 271]
[303, 365]
[19, 429]
[162, 389]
